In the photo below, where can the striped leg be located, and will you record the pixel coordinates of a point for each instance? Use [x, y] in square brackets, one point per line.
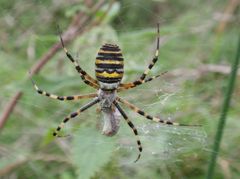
[137, 83]
[62, 98]
[85, 77]
[143, 76]
[74, 114]
[133, 128]
[156, 119]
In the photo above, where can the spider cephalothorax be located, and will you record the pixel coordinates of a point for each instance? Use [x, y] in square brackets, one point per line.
[109, 73]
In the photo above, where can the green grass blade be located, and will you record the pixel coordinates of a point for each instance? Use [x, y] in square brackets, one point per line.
[222, 119]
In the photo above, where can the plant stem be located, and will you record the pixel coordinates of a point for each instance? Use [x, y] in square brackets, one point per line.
[222, 119]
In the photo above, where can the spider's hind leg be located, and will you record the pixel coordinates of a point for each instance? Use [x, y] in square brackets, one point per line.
[156, 119]
[74, 114]
[133, 128]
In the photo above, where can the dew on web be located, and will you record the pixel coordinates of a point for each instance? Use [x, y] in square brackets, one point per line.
[162, 142]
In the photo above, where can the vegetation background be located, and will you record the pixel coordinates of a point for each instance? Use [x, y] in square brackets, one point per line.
[198, 44]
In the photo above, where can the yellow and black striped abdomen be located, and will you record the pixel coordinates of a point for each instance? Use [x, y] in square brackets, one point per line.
[109, 64]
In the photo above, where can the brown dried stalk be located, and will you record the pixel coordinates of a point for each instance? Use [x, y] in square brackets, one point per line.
[202, 70]
[77, 26]
[9, 108]
[229, 11]
[42, 157]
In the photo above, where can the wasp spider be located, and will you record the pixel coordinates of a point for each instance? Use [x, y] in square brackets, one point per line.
[109, 72]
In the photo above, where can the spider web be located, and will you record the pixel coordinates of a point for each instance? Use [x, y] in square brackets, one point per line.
[160, 142]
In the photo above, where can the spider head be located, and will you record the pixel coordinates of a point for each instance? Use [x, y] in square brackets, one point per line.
[109, 66]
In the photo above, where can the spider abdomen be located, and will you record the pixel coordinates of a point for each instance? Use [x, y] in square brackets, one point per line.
[109, 65]
[111, 122]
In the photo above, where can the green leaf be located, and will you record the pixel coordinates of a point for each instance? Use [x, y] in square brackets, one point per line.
[48, 137]
[91, 151]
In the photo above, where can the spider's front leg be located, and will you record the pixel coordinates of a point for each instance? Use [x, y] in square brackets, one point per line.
[62, 98]
[74, 114]
[85, 77]
[132, 126]
[137, 83]
[141, 80]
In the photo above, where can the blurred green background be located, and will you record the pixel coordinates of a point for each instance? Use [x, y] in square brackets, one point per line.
[198, 44]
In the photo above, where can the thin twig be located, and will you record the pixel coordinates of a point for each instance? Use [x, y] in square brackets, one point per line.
[229, 11]
[43, 157]
[12, 166]
[9, 108]
[196, 73]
